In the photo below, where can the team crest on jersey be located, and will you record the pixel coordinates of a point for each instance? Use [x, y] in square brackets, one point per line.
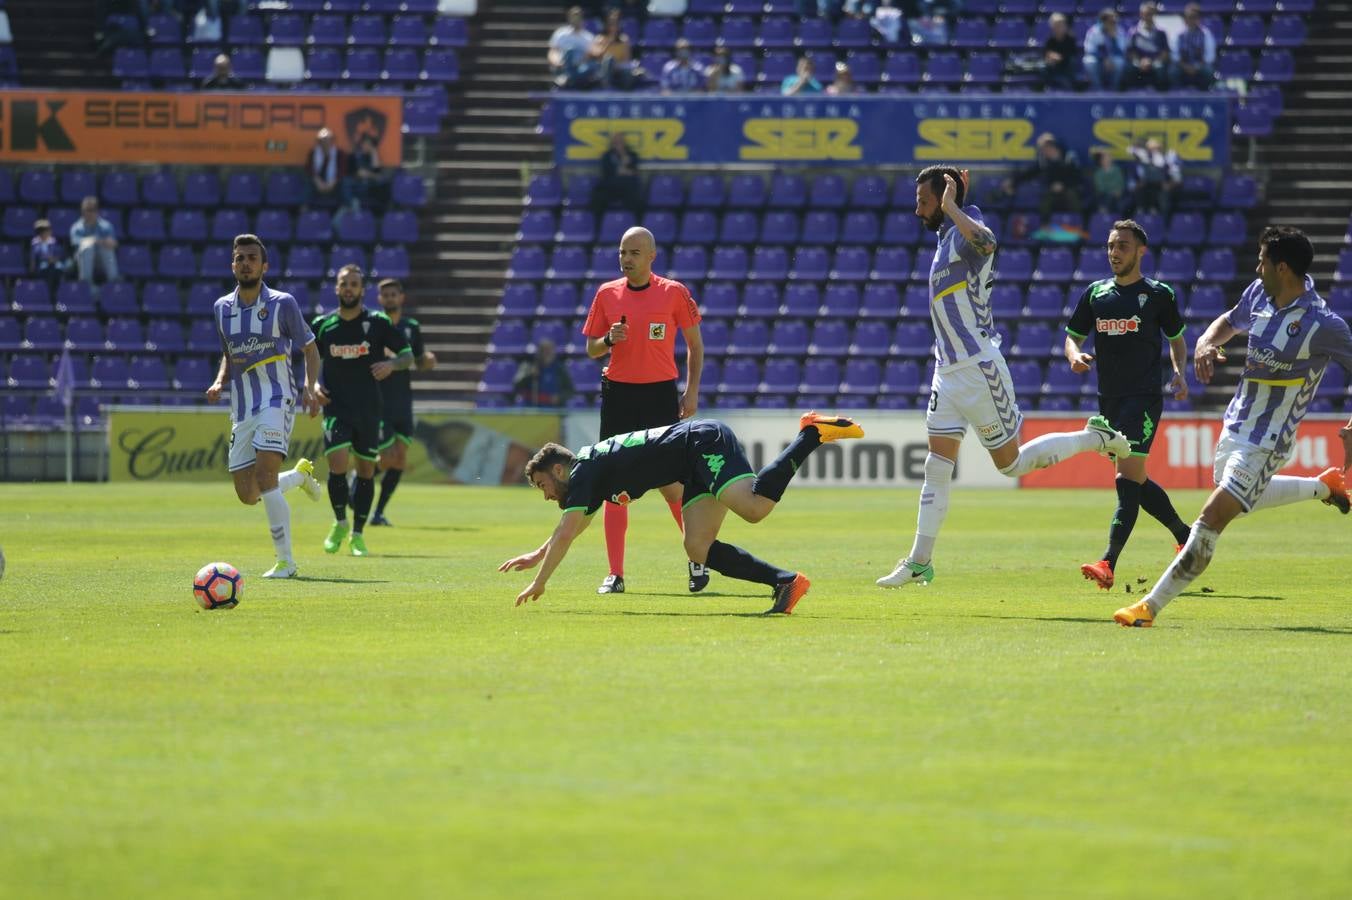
[657, 331]
[1118, 326]
[1293, 328]
[349, 351]
[366, 327]
[262, 314]
[622, 498]
[1141, 300]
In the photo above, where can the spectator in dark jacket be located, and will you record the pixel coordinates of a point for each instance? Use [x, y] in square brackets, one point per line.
[222, 77]
[365, 183]
[544, 380]
[1159, 175]
[1060, 56]
[619, 178]
[1147, 53]
[325, 169]
[46, 258]
[1058, 172]
[1194, 52]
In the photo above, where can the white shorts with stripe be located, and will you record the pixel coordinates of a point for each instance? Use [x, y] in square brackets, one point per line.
[267, 429]
[980, 395]
[1245, 470]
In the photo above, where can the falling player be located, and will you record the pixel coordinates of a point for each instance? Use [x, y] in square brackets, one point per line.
[705, 458]
[1293, 336]
[396, 396]
[352, 343]
[1126, 314]
[259, 327]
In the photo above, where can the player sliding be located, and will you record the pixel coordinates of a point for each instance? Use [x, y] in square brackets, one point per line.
[972, 385]
[1293, 336]
[705, 458]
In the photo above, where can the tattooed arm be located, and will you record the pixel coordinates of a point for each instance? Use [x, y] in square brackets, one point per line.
[979, 236]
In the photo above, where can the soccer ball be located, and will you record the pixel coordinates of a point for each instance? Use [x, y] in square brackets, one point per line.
[218, 585]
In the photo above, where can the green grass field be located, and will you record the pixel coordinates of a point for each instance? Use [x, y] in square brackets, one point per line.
[393, 727]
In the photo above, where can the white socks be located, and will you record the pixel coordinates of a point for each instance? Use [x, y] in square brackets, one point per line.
[1284, 489]
[933, 506]
[289, 480]
[279, 521]
[1190, 562]
[1050, 449]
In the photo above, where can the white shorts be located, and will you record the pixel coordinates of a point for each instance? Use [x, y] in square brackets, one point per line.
[267, 429]
[980, 395]
[1244, 470]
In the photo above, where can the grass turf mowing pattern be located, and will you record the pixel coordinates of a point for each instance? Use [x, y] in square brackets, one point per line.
[392, 725]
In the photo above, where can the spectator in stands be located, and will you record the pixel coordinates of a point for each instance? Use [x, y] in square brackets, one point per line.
[1147, 53]
[1060, 56]
[1159, 175]
[569, 46]
[680, 75]
[46, 258]
[844, 83]
[222, 77]
[543, 380]
[804, 80]
[207, 27]
[1057, 171]
[888, 21]
[1194, 52]
[725, 76]
[1110, 184]
[365, 184]
[1105, 52]
[94, 243]
[619, 178]
[326, 170]
[614, 54]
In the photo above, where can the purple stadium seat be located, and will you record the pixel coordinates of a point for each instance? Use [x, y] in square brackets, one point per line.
[37, 187]
[249, 63]
[146, 225]
[1232, 64]
[558, 301]
[879, 301]
[12, 263]
[305, 262]
[519, 300]
[328, 31]
[203, 337]
[781, 377]
[1207, 302]
[900, 377]
[802, 299]
[578, 190]
[854, 34]
[215, 261]
[401, 64]
[324, 64]
[971, 33]
[43, 334]
[780, 229]
[706, 192]
[729, 263]
[1176, 265]
[699, 227]
[74, 297]
[545, 190]
[347, 255]
[1027, 377]
[775, 67]
[202, 294]
[399, 226]
[357, 227]
[244, 31]
[367, 31]
[165, 336]
[719, 300]
[499, 376]
[851, 264]
[284, 188]
[749, 336]
[408, 31]
[901, 228]
[161, 298]
[1054, 264]
[85, 334]
[125, 335]
[810, 264]
[312, 226]
[274, 227]
[1216, 264]
[985, 68]
[691, 262]
[160, 189]
[737, 34]
[31, 296]
[901, 69]
[740, 376]
[1043, 300]
[1014, 264]
[1276, 65]
[820, 376]
[407, 189]
[192, 373]
[768, 264]
[819, 227]
[827, 192]
[18, 222]
[119, 299]
[891, 264]
[700, 32]
[147, 373]
[1227, 229]
[441, 65]
[814, 34]
[537, 227]
[1252, 121]
[860, 228]
[841, 301]
[526, 263]
[286, 30]
[1006, 299]
[451, 32]
[1246, 31]
[1237, 192]
[27, 371]
[788, 337]
[1186, 229]
[862, 377]
[509, 337]
[786, 192]
[1010, 34]
[130, 62]
[576, 227]
[166, 64]
[746, 192]
[245, 189]
[868, 192]
[665, 192]
[362, 64]
[568, 263]
[613, 226]
[176, 262]
[76, 184]
[775, 34]
[1286, 31]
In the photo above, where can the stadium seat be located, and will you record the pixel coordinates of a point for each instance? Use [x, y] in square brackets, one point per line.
[449, 31]
[729, 263]
[746, 192]
[203, 337]
[901, 229]
[12, 262]
[74, 298]
[147, 373]
[29, 371]
[802, 299]
[120, 299]
[188, 225]
[76, 184]
[85, 334]
[851, 264]
[42, 333]
[37, 187]
[323, 63]
[161, 298]
[192, 373]
[176, 262]
[391, 262]
[407, 189]
[130, 62]
[441, 66]
[891, 263]
[357, 226]
[125, 335]
[401, 64]
[788, 337]
[31, 296]
[519, 300]
[146, 225]
[778, 228]
[699, 227]
[509, 337]
[165, 336]
[166, 64]
[215, 261]
[1276, 65]
[18, 222]
[810, 264]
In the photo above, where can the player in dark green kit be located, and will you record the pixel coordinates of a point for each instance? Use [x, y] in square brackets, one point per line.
[396, 397]
[705, 458]
[1126, 314]
[352, 344]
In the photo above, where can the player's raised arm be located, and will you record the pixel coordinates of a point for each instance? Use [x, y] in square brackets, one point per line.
[573, 523]
[978, 235]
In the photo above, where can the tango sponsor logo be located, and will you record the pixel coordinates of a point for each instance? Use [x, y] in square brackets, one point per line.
[1118, 326]
[349, 351]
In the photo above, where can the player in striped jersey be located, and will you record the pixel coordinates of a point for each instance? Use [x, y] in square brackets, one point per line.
[972, 385]
[1293, 336]
[259, 327]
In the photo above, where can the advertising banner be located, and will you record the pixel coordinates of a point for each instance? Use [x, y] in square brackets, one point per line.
[888, 129]
[448, 448]
[1182, 454]
[257, 128]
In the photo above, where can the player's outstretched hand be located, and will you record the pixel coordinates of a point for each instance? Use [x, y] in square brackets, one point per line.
[1179, 386]
[1204, 359]
[381, 370]
[532, 592]
[214, 392]
[1081, 362]
[521, 563]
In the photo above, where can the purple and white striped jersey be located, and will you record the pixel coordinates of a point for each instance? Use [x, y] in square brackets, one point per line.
[960, 300]
[259, 339]
[1289, 349]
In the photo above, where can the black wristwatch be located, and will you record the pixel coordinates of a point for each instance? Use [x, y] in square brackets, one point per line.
[607, 341]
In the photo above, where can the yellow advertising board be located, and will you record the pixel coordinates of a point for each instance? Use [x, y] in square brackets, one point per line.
[200, 127]
[448, 448]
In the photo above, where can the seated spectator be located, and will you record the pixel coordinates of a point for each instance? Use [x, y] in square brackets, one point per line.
[94, 243]
[1147, 53]
[844, 83]
[365, 184]
[725, 76]
[804, 80]
[1060, 56]
[569, 45]
[1057, 170]
[619, 178]
[222, 77]
[46, 258]
[679, 75]
[630, 9]
[613, 53]
[1110, 184]
[1159, 175]
[1194, 52]
[888, 21]
[325, 169]
[1105, 52]
[544, 380]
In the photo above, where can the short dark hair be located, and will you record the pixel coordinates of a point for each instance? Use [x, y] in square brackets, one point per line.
[249, 240]
[934, 177]
[547, 457]
[1134, 227]
[353, 267]
[390, 282]
[1286, 244]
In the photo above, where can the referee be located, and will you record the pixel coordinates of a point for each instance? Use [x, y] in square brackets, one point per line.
[634, 319]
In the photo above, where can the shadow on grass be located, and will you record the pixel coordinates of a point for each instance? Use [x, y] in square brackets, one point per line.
[713, 613]
[434, 528]
[411, 555]
[1215, 596]
[340, 580]
[1096, 620]
[1301, 629]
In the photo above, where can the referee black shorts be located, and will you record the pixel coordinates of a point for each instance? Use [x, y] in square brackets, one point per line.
[634, 407]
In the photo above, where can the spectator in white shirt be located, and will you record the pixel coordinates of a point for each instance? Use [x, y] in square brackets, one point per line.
[725, 76]
[1194, 52]
[1105, 52]
[569, 48]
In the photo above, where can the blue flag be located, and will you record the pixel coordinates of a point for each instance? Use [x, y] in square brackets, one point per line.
[65, 379]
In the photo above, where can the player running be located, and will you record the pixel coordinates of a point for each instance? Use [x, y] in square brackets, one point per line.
[396, 396]
[259, 327]
[1293, 336]
[352, 343]
[705, 458]
[1126, 314]
[972, 385]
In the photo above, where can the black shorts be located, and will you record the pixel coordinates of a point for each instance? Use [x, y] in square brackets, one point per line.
[634, 407]
[1137, 416]
[717, 459]
[359, 434]
[396, 425]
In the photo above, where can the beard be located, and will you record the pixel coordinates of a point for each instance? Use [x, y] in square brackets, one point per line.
[934, 222]
[349, 302]
[249, 284]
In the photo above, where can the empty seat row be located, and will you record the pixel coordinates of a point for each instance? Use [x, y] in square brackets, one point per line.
[294, 29]
[398, 64]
